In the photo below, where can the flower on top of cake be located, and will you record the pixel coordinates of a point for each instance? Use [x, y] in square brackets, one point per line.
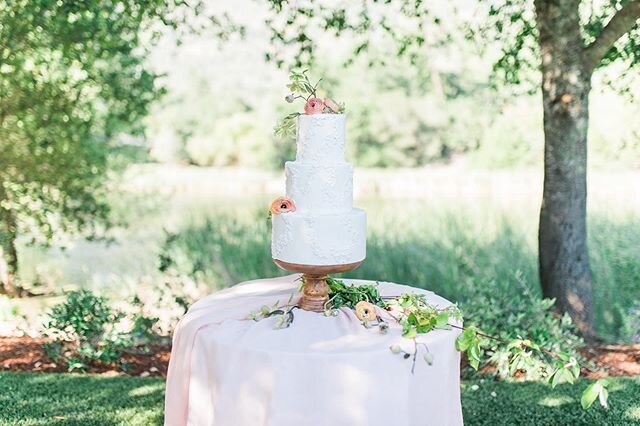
[282, 205]
[329, 103]
[314, 106]
[301, 88]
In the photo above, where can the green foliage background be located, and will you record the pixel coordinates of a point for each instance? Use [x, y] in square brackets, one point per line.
[439, 104]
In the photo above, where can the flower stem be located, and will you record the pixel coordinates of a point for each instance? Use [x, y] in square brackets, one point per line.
[415, 355]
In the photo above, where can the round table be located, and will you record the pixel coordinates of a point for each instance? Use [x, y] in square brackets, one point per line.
[322, 370]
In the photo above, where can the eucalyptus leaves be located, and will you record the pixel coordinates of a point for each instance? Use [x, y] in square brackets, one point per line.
[302, 88]
[283, 313]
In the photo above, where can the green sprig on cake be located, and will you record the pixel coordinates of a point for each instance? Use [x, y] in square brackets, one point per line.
[302, 88]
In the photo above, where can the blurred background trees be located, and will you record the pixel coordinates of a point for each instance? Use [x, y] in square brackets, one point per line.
[460, 108]
[72, 78]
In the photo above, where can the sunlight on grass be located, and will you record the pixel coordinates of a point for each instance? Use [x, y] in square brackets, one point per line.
[536, 403]
[146, 390]
[633, 413]
[617, 387]
[88, 400]
[556, 400]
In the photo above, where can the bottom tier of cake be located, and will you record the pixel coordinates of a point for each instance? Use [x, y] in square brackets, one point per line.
[333, 239]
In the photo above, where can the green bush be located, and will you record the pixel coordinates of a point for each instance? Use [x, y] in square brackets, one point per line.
[83, 317]
[526, 316]
[86, 329]
[83, 329]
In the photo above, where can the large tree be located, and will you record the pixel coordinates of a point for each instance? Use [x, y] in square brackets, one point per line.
[72, 75]
[563, 40]
[567, 65]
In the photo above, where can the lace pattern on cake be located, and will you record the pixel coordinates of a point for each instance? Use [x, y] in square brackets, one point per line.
[320, 189]
[342, 243]
[281, 238]
[339, 250]
[320, 138]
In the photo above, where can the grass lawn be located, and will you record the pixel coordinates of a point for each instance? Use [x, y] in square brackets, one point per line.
[67, 399]
[70, 399]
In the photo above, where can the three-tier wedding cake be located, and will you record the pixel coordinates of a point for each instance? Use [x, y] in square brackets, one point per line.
[320, 226]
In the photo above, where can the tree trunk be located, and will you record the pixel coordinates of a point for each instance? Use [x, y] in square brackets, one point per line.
[565, 273]
[9, 251]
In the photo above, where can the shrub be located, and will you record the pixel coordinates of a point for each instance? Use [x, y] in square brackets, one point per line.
[527, 316]
[83, 329]
[86, 329]
[82, 317]
[630, 320]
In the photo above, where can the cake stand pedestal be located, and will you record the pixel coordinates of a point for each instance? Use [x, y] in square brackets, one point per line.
[315, 291]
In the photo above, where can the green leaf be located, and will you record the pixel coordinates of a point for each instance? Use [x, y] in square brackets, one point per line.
[475, 350]
[562, 375]
[462, 344]
[308, 88]
[575, 369]
[442, 320]
[465, 339]
[590, 394]
[410, 333]
[514, 364]
[603, 396]
[474, 363]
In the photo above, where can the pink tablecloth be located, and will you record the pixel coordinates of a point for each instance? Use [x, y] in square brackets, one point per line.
[229, 371]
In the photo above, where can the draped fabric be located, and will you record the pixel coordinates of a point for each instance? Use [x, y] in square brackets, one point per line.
[226, 370]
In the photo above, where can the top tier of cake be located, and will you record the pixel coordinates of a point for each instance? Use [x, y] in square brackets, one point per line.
[321, 138]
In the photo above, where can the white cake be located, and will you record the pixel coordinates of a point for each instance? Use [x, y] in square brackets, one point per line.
[324, 229]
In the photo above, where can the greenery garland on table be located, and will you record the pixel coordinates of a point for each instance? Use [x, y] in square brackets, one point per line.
[416, 317]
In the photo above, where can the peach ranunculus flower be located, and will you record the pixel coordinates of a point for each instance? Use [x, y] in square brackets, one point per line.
[314, 106]
[329, 103]
[282, 205]
[366, 311]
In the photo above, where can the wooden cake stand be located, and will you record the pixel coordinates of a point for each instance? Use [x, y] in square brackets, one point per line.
[315, 291]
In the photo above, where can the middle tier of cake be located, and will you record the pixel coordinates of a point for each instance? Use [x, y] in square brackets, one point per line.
[320, 188]
[309, 239]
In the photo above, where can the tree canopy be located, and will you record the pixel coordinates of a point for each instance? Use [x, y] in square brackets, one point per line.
[72, 75]
[609, 30]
